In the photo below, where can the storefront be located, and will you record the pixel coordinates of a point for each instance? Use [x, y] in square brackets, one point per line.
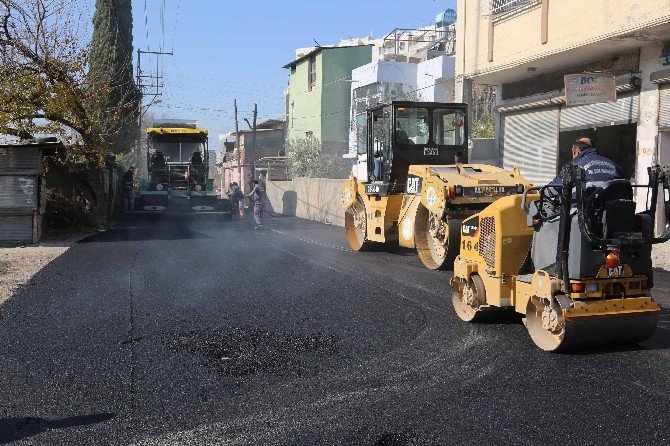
[662, 79]
[536, 136]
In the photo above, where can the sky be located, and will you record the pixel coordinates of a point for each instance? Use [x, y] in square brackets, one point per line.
[226, 49]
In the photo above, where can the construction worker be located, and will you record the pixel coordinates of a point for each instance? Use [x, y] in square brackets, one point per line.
[127, 189]
[234, 201]
[239, 195]
[257, 195]
[597, 168]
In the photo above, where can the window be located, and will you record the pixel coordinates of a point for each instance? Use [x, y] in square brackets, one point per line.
[312, 72]
[502, 8]
[448, 127]
[411, 126]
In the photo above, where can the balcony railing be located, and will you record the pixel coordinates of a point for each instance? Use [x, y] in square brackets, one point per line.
[503, 8]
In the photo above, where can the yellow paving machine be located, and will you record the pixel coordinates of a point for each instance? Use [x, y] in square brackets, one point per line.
[178, 166]
[574, 259]
[415, 185]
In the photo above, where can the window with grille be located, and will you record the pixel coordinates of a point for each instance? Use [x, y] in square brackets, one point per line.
[312, 72]
[502, 8]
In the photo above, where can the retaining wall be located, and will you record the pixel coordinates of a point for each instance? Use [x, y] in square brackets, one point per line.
[316, 199]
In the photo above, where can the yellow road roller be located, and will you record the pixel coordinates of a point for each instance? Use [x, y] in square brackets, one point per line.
[415, 185]
[575, 261]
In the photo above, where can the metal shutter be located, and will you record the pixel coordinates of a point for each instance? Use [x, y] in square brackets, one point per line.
[624, 111]
[530, 142]
[664, 107]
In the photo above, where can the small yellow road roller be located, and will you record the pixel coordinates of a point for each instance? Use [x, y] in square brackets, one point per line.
[573, 259]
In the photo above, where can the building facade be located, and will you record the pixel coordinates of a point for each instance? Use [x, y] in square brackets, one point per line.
[318, 97]
[525, 47]
[268, 143]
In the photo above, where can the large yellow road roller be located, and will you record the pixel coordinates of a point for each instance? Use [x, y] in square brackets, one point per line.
[415, 185]
[575, 263]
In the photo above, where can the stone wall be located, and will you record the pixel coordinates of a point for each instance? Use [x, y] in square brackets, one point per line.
[316, 199]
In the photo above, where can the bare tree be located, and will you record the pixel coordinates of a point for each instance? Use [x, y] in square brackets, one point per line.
[44, 88]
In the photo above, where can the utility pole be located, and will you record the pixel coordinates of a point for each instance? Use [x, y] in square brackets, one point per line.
[239, 152]
[253, 133]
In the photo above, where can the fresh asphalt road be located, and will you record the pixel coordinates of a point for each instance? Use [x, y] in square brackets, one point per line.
[195, 333]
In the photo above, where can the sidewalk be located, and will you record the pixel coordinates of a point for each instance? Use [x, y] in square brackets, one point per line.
[19, 265]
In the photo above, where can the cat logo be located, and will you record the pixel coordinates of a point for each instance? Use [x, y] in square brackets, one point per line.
[612, 272]
[413, 185]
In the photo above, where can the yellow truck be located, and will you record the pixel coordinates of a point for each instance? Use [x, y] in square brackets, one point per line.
[415, 185]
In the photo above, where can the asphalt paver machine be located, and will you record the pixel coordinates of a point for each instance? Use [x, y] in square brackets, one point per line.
[574, 260]
[178, 168]
[416, 185]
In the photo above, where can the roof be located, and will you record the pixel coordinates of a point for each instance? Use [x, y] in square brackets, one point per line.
[318, 50]
[176, 130]
[48, 146]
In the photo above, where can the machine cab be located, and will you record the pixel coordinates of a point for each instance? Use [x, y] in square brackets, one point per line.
[404, 133]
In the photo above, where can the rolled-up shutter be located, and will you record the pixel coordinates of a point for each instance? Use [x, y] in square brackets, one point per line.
[624, 111]
[530, 142]
[664, 107]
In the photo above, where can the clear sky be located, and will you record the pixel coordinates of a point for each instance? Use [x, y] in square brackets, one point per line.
[229, 48]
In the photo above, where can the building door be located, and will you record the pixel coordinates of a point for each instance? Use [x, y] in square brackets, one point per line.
[610, 125]
[616, 142]
[529, 142]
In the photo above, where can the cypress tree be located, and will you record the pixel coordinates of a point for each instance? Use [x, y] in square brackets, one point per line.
[111, 73]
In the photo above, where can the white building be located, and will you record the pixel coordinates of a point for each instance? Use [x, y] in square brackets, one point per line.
[384, 81]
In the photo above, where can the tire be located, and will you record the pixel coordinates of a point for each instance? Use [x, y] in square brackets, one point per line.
[436, 253]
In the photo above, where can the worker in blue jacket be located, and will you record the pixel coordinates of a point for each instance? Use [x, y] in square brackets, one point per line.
[597, 168]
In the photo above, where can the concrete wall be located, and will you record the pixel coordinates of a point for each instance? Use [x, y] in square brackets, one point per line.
[316, 199]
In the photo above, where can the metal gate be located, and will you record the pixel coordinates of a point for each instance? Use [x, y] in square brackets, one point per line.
[625, 110]
[664, 107]
[530, 142]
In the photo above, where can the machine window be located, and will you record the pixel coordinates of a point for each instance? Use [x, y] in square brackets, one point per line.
[448, 127]
[411, 126]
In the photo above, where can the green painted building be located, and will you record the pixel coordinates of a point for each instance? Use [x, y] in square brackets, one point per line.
[319, 95]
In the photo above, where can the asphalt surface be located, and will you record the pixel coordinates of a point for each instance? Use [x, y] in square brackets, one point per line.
[199, 333]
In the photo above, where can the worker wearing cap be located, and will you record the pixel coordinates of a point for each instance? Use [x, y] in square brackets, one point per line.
[597, 168]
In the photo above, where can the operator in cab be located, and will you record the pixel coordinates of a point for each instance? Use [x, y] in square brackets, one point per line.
[597, 168]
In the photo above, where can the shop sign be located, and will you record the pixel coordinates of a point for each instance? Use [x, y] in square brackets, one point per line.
[589, 88]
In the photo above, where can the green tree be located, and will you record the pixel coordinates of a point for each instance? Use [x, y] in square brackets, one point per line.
[111, 73]
[484, 127]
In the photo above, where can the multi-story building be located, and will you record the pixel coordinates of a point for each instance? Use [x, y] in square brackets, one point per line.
[318, 97]
[266, 143]
[525, 47]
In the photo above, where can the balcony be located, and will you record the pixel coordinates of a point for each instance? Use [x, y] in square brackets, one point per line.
[503, 8]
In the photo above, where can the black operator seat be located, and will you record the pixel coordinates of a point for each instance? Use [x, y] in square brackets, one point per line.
[158, 160]
[196, 159]
[611, 208]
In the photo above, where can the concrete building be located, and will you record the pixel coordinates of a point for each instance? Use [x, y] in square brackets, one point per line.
[268, 143]
[318, 97]
[525, 47]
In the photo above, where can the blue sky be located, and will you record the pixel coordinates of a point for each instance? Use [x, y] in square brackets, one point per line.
[228, 48]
